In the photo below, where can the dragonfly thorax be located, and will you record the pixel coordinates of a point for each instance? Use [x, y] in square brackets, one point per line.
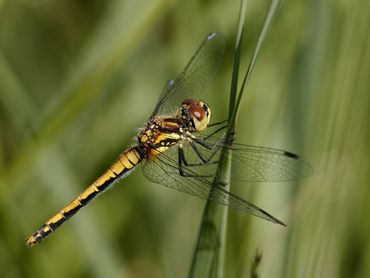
[163, 132]
[160, 134]
[195, 114]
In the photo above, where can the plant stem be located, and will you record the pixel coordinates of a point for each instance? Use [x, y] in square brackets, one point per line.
[208, 259]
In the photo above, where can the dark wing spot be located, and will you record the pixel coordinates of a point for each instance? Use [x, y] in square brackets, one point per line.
[292, 155]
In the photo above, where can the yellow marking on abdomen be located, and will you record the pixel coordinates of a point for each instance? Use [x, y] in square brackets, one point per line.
[121, 167]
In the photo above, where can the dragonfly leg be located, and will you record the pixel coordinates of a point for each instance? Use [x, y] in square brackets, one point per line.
[215, 132]
[218, 123]
[213, 147]
[201, 157]
[182, 161]
[201, 141]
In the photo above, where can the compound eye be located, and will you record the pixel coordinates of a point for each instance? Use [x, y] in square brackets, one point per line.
[197, 112]
[205, 108]
[189, 102]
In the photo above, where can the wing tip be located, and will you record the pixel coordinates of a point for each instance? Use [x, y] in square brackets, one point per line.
[307, 168]
[274, 219]
[280, 223]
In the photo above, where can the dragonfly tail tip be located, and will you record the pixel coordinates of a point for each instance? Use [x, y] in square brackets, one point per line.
[30, 242]
[33, 239]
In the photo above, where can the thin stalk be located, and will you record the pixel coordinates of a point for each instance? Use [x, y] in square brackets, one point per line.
[265, 28]
[208, 259]
[237, 53]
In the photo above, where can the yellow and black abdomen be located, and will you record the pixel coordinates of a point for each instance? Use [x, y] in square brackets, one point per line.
[121, 168]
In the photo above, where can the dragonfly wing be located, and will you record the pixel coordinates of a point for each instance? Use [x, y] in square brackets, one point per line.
[258, 164]
[164, 170]
[194, 78]
[261, 164]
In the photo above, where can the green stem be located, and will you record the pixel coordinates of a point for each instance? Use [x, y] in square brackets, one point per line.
[208, 259]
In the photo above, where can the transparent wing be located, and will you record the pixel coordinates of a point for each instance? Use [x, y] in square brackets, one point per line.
[261, 164]
[192, 81]
[164, 170]
[249, 163]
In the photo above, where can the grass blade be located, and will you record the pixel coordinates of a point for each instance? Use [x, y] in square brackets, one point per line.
[237, 53]
[208, 259]
[266, 26]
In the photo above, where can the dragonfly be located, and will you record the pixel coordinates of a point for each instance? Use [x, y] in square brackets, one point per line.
[179, 148]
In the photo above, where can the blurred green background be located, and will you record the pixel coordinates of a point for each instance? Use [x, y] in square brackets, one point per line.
[77, 78]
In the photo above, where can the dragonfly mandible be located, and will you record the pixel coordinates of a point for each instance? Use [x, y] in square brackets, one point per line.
[179, 148]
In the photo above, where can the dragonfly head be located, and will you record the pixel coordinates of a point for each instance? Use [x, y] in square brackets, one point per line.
[196, 114]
